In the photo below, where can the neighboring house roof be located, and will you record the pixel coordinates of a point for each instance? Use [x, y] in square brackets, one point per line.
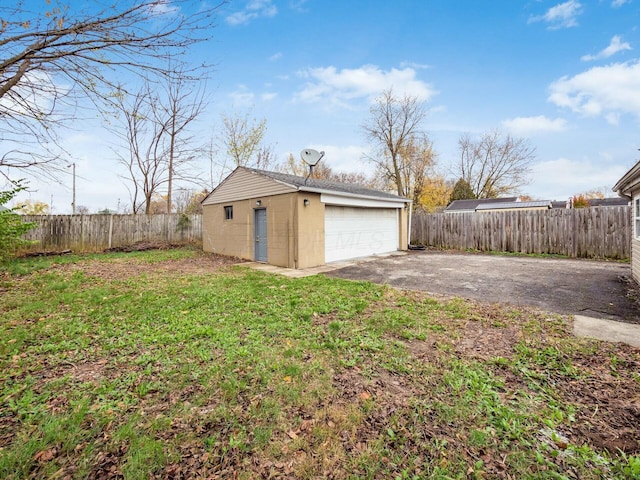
[594, 202]
[471, 204]
[630, 181]
[608, 202]
[315, 185]
[514, 205]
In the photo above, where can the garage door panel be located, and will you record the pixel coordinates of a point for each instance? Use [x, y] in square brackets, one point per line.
[352, 232]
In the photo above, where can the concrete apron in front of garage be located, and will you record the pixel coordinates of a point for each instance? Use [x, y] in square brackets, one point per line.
[609, 330]
[308, 272]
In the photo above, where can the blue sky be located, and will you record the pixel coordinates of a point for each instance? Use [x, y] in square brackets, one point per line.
[565, 75]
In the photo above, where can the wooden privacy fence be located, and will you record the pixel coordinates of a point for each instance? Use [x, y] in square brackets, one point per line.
[95, 233]
[595, 232]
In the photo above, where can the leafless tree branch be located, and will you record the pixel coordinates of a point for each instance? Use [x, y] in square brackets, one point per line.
[494, 164]
[52, 58]
[402, 149]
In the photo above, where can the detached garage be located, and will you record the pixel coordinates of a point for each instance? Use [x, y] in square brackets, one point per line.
[294, 222]
[629, 187]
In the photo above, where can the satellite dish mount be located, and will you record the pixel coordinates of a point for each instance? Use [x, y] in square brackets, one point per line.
[312, 158]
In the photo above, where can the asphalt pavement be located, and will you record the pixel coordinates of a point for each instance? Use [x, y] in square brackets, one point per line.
[594, 289]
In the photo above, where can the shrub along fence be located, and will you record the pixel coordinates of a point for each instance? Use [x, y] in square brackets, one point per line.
[596, 232]
[95, 233]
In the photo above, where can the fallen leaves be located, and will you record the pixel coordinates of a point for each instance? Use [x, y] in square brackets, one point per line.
[45, 455]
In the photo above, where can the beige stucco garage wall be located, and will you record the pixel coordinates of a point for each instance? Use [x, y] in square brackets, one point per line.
[403, 225]
[235, 237]
[310, 242]
[286, 213]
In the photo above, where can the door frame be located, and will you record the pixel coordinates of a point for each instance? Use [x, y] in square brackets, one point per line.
[256, 238]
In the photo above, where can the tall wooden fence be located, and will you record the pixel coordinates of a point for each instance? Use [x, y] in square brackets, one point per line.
[595, 232]
[95, 233]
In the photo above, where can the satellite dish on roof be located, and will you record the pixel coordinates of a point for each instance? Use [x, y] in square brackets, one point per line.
[311, 157]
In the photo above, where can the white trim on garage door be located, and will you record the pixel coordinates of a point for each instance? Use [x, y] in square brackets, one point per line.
[352, 232]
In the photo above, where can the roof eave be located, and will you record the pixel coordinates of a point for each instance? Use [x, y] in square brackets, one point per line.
[304, 188]
[629, 180]
[352, 195]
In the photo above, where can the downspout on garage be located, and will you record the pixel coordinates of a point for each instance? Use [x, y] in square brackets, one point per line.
[409, 224]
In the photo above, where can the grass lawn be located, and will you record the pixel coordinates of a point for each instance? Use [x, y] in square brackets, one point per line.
[176, 364]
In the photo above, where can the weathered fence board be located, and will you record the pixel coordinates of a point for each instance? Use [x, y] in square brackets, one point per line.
[95, 233]
[585, 232]
[582, 232]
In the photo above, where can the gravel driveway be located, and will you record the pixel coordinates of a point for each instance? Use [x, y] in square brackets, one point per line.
[580, 287]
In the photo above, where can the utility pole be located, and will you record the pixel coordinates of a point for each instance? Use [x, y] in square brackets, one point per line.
[73, 201]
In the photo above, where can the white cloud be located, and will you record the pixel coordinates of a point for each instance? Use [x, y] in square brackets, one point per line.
[252, 10]
[525, 126]
[417, 66]
[298, 6]
[338, 87]
[612, 118]
[275, 56]
[242, 96]
[611, 89]
[561, 178]
[619, 3]
[343, 158]
[163, 7]
[37, 93]
[563, 15]
[616, 45]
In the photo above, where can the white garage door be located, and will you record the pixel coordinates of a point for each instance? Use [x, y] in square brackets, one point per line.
[351, 232]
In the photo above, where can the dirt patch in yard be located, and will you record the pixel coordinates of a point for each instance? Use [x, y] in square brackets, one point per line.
[608, 413]
[123, 268]
[607, 403]
[383, 387]
[482, 342]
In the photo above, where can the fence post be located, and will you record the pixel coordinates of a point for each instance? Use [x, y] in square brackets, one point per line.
[110, 229]
[566, 232]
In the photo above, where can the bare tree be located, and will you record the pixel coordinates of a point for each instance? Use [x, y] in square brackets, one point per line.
[265, 157]
[324, 172]
[159, 148]
[188, 200]
[418, 161]
[183, 104]
[241, 141]
[394, 129]
[53, 58]
[143, 158]
[241, 136]
[495, 164]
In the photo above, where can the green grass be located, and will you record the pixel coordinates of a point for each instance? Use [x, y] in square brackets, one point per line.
[23, 266]
[166, 373]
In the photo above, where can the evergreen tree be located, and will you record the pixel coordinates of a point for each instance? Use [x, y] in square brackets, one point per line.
[461, 191]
